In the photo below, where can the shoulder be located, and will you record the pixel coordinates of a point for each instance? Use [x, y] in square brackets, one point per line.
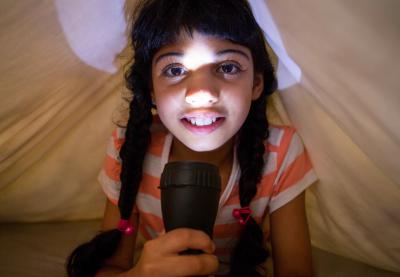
[289, 165]
[281, 137]
[278, 145]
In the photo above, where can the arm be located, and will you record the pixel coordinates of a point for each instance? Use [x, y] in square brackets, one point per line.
[290, 240]
[122, 260]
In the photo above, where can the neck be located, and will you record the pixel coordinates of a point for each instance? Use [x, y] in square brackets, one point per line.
[219, 157]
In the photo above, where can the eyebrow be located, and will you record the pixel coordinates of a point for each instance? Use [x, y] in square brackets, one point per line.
[176, 54]
[220, 53]
[235, 51]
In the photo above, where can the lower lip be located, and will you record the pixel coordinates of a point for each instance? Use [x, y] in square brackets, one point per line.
[203, 130]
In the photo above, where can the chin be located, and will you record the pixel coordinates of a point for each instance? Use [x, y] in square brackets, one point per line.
[203, 146]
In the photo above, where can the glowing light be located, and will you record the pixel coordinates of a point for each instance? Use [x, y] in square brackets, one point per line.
[198, 55]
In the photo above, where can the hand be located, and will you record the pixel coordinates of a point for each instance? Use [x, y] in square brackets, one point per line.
[160, 256]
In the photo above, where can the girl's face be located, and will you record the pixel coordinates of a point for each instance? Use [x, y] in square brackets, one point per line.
[203, 87]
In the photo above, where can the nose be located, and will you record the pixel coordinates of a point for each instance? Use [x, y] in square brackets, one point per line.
[202, 91]
[201, 98]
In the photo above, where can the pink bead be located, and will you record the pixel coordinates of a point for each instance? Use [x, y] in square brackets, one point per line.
[236, 213]
[123, 224]
[129, 230]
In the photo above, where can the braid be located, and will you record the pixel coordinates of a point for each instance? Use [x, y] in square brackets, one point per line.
[249, 251]
[251, 150]
[137, 140]
[89, 257]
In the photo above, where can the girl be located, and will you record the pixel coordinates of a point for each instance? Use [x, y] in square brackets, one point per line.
[204, 66]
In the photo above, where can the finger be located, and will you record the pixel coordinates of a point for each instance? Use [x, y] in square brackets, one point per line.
[181, 239]
[191, 265]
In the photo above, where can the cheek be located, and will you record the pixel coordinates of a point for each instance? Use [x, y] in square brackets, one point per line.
[166, 103]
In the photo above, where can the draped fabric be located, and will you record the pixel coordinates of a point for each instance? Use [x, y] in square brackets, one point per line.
[61, 83]
[346, 109]
[55, 116]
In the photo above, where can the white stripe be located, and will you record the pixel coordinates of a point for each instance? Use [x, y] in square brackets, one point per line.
[110, 187]
[275, 136]
[289, 194]
[225, 215]
[294, 150]
[149, 204]
[121, 132]
[112, 151]
[152, 165]
[270, 162]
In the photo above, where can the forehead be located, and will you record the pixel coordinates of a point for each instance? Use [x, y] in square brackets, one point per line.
[199, 44]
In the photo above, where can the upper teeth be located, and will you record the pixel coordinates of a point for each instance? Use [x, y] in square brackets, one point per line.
[202, 121]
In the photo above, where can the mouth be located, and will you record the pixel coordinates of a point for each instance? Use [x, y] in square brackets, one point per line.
[202, 123]
[199, 122]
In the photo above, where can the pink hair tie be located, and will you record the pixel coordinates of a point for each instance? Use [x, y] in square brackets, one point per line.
[125, 227]
[242, 214]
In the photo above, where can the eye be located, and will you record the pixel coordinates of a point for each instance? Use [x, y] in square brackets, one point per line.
[229, 68]
[174, 70]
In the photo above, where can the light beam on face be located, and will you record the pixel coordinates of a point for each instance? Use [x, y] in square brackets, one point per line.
[198, 55]
[195, 57]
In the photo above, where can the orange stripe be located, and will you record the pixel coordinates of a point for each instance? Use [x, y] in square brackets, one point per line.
[284, 146]
[112, 168]
[271, 148]
[117, 141]
[265, 187]
[149, 185]
[151, 220]
[294, 173]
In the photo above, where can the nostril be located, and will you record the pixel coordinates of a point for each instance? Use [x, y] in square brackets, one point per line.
[201, 98]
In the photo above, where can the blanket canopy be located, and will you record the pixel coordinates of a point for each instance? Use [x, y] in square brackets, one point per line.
[61, 86]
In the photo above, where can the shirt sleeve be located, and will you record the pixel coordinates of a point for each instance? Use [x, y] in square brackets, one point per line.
[109, 175]
[295, 173]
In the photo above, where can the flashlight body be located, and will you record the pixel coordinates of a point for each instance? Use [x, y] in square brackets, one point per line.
[190, 195]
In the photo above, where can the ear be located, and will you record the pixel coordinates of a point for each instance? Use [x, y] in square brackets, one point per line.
[258, 86]
[153, 98]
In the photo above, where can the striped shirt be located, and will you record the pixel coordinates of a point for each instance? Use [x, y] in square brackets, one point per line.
[287, 172]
